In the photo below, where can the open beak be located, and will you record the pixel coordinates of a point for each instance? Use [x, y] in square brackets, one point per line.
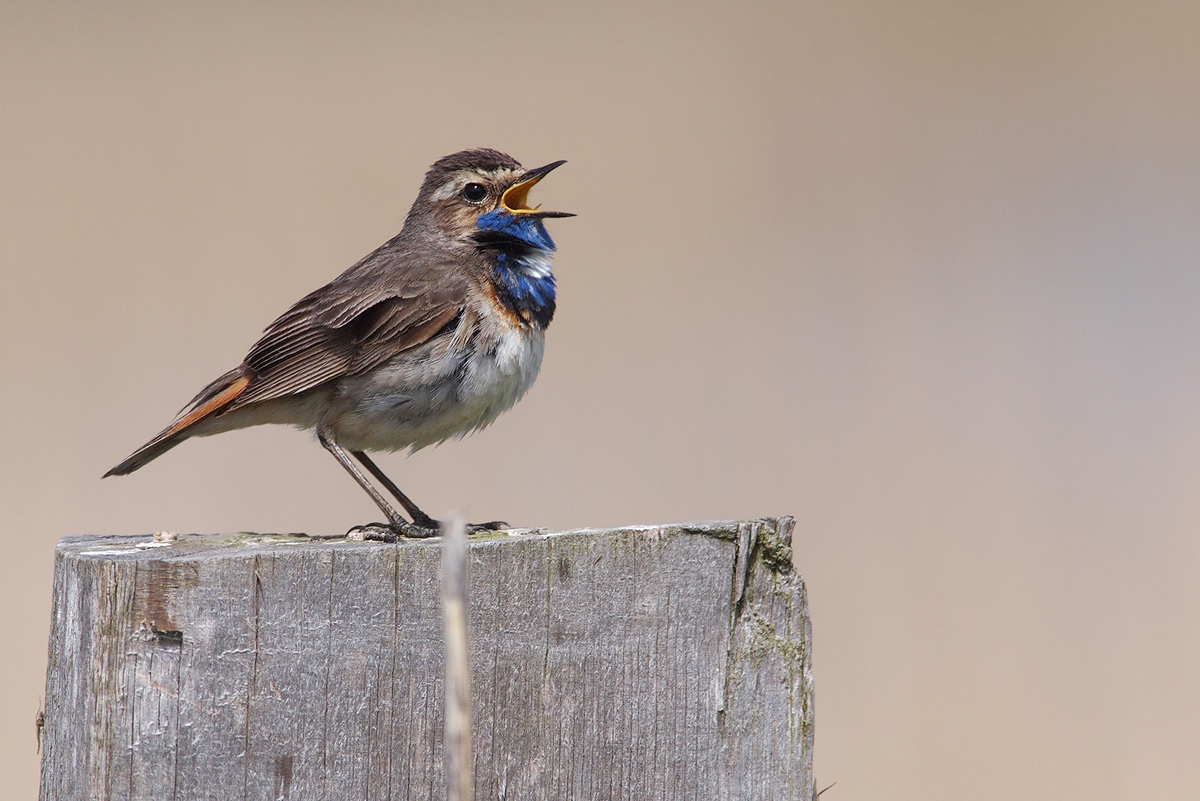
[514, 200]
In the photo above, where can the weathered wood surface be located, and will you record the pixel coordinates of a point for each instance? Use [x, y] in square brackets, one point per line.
[663, 662]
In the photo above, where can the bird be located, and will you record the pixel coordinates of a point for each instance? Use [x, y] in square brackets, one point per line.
[428, 338]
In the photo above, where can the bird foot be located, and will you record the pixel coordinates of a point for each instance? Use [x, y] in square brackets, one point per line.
[391, 532]
[422, 520]
[495, 525]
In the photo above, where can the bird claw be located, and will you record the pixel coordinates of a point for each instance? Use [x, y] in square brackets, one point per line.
[428, 527]
[391, 532]
[495, 525]
[372, 532]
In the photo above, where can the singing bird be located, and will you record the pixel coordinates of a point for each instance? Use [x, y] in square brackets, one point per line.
[430, 337]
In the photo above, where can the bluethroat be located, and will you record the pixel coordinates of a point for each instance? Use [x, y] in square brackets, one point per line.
[430, 337]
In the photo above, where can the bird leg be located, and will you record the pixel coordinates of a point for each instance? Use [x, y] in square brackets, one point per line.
[419, 518]
[396, 526]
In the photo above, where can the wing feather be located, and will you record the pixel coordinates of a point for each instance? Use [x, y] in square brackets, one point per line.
[389, 302]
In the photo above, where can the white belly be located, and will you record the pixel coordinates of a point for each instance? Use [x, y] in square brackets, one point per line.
[429, 395]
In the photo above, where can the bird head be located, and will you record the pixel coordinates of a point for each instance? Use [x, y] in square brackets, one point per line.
[482, 196]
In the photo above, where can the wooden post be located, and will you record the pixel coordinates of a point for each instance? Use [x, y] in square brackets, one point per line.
[656, 662]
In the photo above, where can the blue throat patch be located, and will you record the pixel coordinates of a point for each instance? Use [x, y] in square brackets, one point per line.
[523, 228]
[521, 248]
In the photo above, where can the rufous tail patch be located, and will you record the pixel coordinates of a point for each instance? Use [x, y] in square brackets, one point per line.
[214, 404]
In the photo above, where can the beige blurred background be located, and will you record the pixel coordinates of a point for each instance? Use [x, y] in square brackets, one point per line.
[924, 274]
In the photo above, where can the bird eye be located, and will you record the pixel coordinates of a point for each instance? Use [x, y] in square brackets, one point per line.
[475, 193]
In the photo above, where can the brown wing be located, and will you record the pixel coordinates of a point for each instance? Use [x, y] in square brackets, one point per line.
[390, 301]
[387, 303]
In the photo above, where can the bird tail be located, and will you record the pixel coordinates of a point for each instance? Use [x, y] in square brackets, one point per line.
[213, 399]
